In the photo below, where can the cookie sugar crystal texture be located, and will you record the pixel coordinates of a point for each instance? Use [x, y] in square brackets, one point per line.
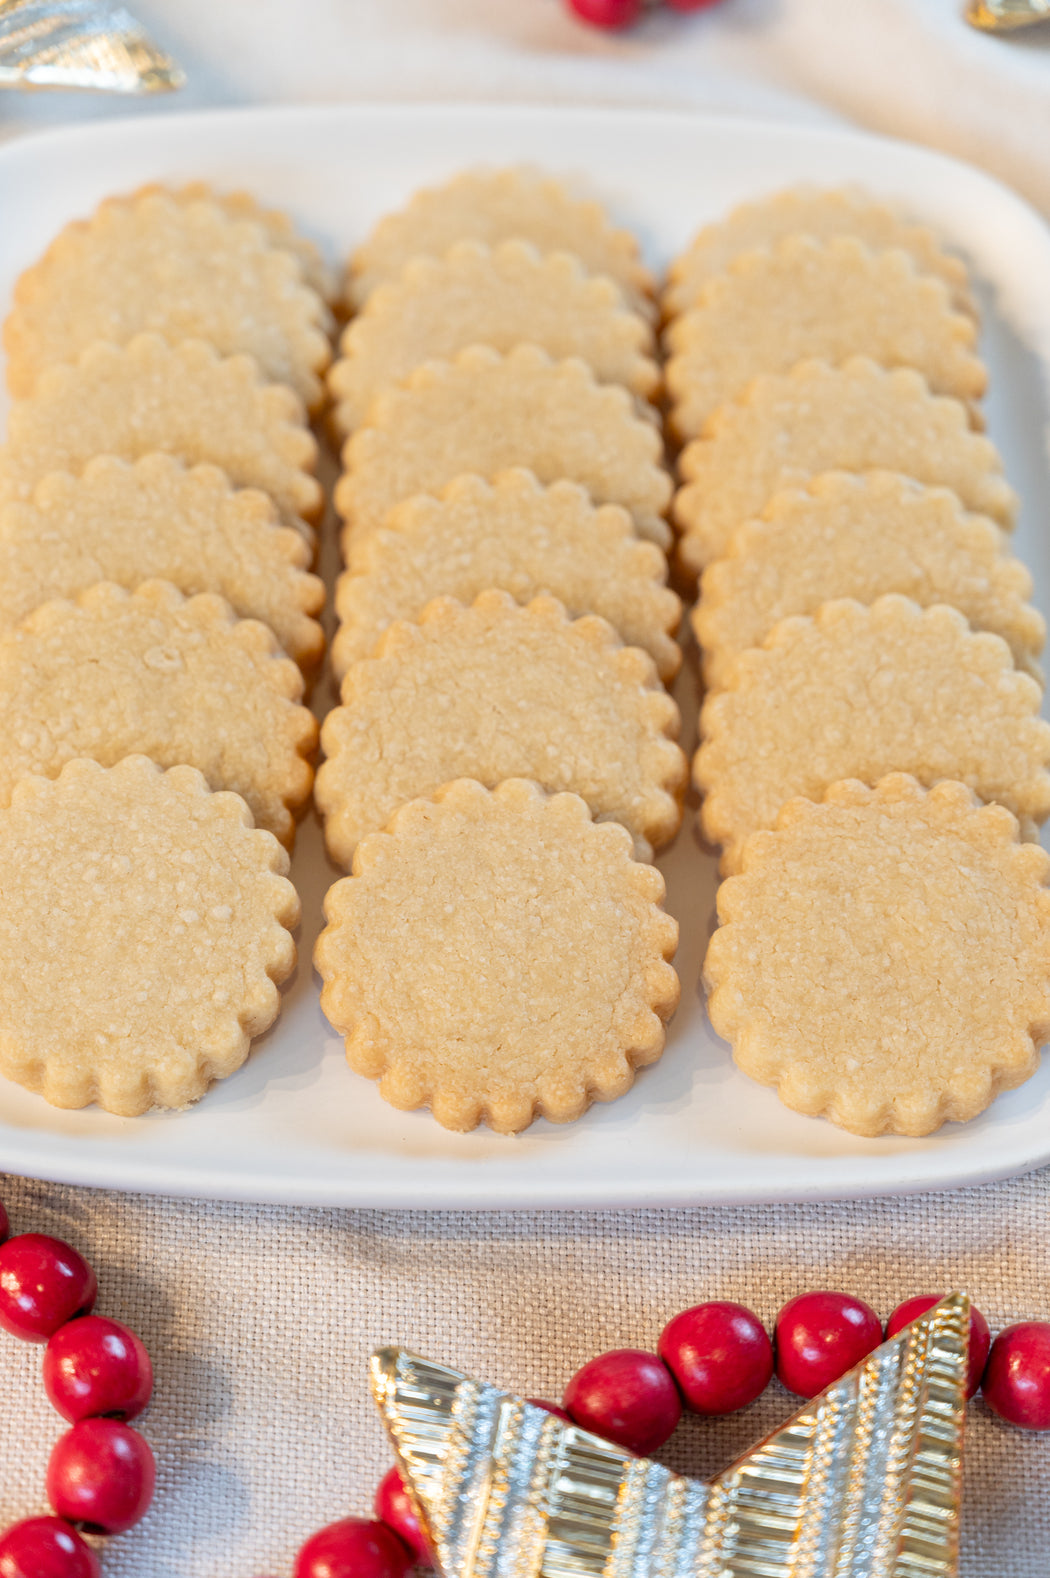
[499, 297]
[859, 692]
[884, 957]
[498, 691]
[184, 269]
[493, 206]
[177, 679]
[859, 417]
[864, 1481]
[497, 956]
[484, 412]
[184, 400]
[145, 926]
[803, 298]
[519, 537]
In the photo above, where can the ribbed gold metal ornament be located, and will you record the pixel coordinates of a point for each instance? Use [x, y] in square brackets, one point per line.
[80, 44]
[863, 1482]
[1006, 16]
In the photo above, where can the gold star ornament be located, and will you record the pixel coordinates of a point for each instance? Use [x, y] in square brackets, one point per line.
[863, 1482]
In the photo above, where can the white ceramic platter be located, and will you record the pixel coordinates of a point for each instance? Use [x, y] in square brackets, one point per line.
[294, 1124]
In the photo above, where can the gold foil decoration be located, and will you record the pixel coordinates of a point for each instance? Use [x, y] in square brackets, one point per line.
[863, 1482]
[1006, 16]
[80, 44]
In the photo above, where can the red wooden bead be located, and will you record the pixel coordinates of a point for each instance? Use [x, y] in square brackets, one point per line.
[720, 1355]
[1016, 1382]
[96, 1366]
[46, 1548]
[100, 1475]
[980, 1336]
[550, 1408]
[628, 1397]
[353, 1548]
[43, 1283]
[819, 1336]
[607, 13]
[393, 1506]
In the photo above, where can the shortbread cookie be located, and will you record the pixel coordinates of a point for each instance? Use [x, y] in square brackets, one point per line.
[859, 692]
[179, 680]
[493, 206]
[814, 212]
[183, 400]
[145, 929]
[882, 959]
[861, 536]
[184, 269]
[154, 519]
[498, 691]
[516, 536]
[859, 417]
[497, 957]
[280, 232]
[484, 412]
[501, 297]
[806, 298]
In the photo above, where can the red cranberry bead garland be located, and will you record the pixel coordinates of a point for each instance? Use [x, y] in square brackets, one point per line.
[353, 1548]
[628, 1397]
[819, 1336]
[980, 1336]
[393, 1506]
[720, 1355]
[1016, 1383]
[101, 1472]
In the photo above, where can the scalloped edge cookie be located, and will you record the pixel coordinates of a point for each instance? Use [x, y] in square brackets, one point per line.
[406, 929]
[175, 399]
[500, 297]
[268, 765]
[499, 205]
[877, 418]
[795, 693]
[804, 299]
[378, 756]
[154, 519]
[199, 1022]
[482, 412]
[516, 536]
[260, 305]
[861, 535]
[818, 212]
[850, 903]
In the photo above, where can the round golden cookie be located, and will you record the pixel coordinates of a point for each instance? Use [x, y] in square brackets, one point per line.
[518, 537]
[861, 536]
[882, 958]
[804, 298]
[493, 206]
[145, 928]
[498, 957]
[182, 400]
[859, 692]
[153, 673]
[822, 214]
[498, 691]
[185, 269]
[156, 520]
[788, 427]
[483, 412]
[501, 296]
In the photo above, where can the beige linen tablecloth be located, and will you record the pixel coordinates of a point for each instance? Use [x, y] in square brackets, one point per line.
[260, 1320]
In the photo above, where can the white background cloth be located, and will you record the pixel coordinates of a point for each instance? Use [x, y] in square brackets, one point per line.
[260, 1320]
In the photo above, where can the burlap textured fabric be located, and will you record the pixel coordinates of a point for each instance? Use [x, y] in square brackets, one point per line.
[260, 1321]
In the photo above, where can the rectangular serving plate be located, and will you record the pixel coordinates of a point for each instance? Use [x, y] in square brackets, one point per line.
[295, 1125]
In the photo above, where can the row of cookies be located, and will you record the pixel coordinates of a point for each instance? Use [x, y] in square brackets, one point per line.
[157, 606]
[505, 629]
[814, 499]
